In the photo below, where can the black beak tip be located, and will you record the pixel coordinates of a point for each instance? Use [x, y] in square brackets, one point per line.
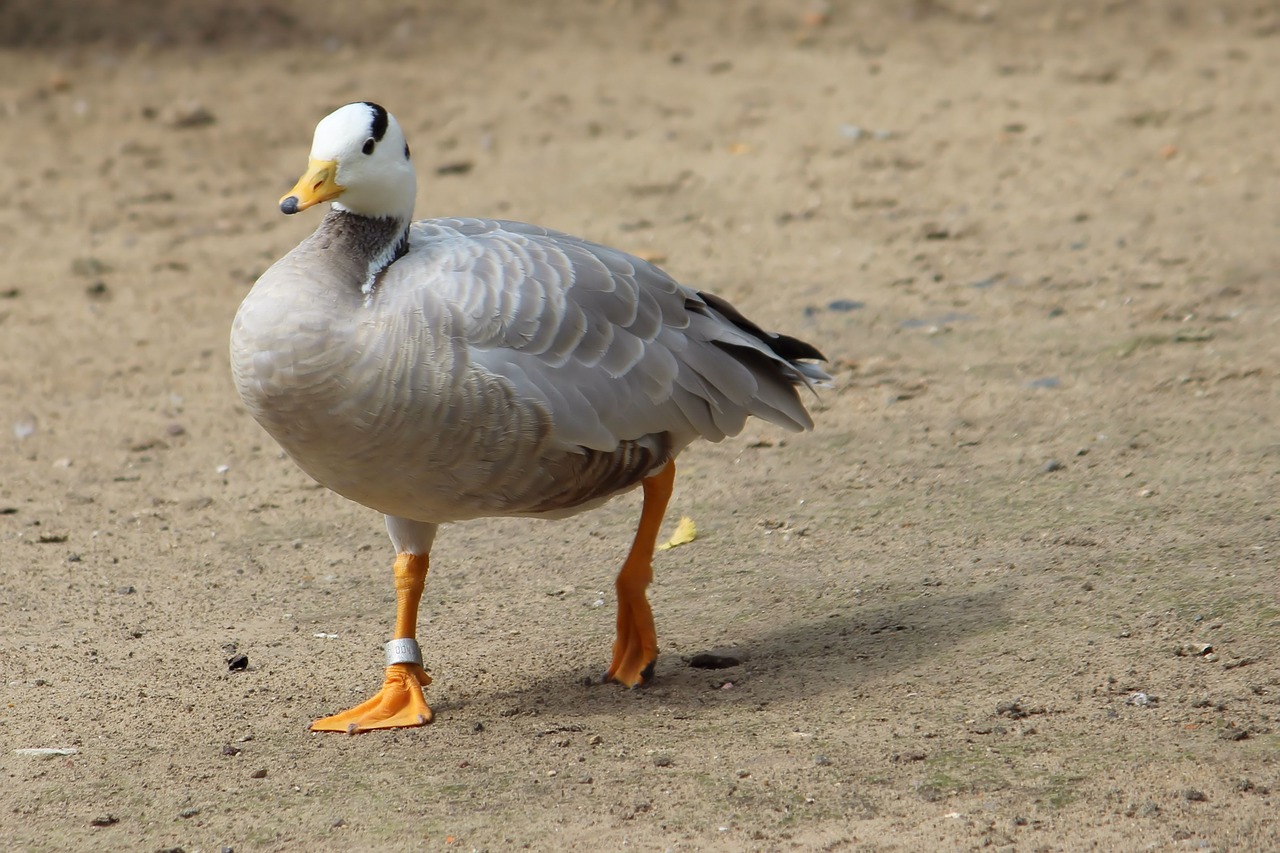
[289, 205]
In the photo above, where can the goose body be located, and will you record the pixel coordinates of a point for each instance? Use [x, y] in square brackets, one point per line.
[450, 369]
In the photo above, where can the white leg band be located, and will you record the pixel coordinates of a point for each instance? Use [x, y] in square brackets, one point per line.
[403, 651]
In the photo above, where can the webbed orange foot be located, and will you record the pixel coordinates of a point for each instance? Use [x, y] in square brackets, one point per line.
[399, 704]
[635, 651]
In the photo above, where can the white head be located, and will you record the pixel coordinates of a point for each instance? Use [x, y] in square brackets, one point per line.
[358, 155]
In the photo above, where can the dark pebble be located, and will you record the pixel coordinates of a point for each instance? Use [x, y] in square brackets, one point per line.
[1192, 795]
[1012, 710]
[239, 663]
[104, 820]
[192, 812]
[663, 761]
[125, 590]
[845, 305]
[707, 660]
[228, 749]
[1234, 734]
[822, 761]
[1052, 465]
[460, 167]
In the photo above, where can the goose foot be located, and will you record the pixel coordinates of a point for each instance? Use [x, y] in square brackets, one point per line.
[399, 704]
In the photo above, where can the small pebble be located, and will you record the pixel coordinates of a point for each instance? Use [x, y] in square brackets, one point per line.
[24, 427]
[458, 167]
[259, 774]
[663, 761]
[239, 663]
[822, 761]
[1192, 795]
[192, 812]
[844, 305]
[190, 114]
[1052, 465]
[104, 820]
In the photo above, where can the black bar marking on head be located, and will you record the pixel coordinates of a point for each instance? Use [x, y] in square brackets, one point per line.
[379, 127]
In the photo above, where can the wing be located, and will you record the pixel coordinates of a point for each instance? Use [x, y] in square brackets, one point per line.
[610, 345]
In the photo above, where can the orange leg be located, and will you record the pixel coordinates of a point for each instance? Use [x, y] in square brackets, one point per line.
[636, 649]
[399, 703]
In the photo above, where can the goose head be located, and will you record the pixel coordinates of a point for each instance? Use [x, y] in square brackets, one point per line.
[359, 161]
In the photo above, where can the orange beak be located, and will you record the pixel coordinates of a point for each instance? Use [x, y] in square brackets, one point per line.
[319, 184]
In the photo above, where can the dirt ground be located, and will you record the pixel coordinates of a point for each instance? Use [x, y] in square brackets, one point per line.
[1017, 591]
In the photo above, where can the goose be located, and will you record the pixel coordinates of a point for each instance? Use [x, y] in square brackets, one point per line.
[451, 369]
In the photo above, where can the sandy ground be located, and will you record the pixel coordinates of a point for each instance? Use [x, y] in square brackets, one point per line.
[1018, 590]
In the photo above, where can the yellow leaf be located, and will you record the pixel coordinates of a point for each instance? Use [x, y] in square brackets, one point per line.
[686, 532]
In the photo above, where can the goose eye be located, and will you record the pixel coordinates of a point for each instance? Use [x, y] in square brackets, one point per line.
[406, 151]
[369, 145]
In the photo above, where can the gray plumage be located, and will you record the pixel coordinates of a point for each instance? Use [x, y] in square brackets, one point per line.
[495, 368]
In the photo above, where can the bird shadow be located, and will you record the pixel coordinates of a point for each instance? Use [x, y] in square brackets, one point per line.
[848, 652]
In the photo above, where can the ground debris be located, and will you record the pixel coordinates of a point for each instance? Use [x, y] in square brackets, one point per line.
[1015, 710]
[716, 659]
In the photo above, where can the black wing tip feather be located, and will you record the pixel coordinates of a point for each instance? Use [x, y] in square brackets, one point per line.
[788, 348]
[794, 349]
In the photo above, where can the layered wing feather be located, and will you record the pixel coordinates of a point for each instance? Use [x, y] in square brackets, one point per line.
[610, 345]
